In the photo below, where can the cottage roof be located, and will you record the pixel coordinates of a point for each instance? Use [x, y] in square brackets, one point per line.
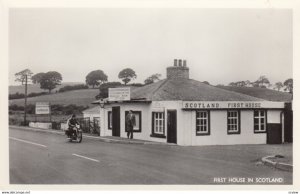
[264, 93]
[187, 90]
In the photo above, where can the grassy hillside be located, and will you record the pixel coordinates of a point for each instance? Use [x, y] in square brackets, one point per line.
[36, 88]
[79, 97]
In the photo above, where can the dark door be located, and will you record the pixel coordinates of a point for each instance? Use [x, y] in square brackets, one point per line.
[172, 126]
[116, 121]
[288, 126]
[274, 133]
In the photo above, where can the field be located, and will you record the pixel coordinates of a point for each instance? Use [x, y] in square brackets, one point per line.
[82, 97]
[36, 88]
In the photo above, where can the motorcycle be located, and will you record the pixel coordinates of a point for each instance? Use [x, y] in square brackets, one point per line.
[76, 135]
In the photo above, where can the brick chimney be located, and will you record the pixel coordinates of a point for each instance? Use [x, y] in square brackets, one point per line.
[179, 70]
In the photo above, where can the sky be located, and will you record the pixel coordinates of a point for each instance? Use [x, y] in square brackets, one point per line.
[220, 45]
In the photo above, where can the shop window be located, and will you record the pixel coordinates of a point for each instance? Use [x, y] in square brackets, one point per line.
[259, 121]
[138, 121]
[233, 122]
[202, 123]
[158, 124]
[109, 124]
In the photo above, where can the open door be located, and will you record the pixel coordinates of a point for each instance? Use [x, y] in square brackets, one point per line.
[116, 121]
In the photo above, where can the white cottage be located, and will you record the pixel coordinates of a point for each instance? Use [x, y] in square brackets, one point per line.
[188, 112]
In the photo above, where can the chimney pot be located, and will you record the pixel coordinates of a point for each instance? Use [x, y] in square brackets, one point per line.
[175, 62]
[184, 63]
[180, 62]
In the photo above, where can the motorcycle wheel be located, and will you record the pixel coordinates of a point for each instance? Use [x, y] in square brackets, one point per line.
[79, 137]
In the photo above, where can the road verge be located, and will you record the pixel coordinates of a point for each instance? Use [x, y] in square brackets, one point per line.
[278, 165]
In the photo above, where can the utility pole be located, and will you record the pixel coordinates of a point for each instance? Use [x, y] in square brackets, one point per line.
[22, 77]
[25, 104]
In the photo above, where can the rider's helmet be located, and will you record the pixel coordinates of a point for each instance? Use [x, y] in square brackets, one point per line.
[73, 115]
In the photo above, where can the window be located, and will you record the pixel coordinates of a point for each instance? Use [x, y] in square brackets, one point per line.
[259, 121]
[158, 124]
[138, 121]
[233, 122]
[109, 124]
[202, 123]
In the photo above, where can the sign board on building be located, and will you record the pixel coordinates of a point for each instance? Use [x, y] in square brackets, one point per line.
[42, 108]
[231, 104]
[118, 94]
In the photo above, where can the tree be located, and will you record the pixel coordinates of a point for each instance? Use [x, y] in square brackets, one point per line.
[262, 82]
[246, 83]
[104, 89]
[288, 84]
[278, 85]
[153, 78]
[50, 80]
[37, 78]
[206, 82]
[95, 78]
[22, 77]
[232, 84]
[126, 75]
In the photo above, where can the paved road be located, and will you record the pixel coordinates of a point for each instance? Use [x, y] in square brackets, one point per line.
[44, 158]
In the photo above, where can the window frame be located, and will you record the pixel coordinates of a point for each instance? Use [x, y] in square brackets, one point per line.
[139, 113]
[259, 121]
[109, 120]
[159, 135]
[207, 132]
[238, 124]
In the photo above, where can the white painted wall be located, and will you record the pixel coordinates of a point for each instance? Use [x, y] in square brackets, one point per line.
[186, 124]
[273, 116]
[218, 130]
[146, 113]
[40, 125]
[104, 123]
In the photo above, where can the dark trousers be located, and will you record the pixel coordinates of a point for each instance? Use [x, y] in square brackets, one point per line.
[70, 132]
[130, 133]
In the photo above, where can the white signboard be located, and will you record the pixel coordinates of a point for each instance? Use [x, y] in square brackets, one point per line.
[231, 104]
[42, 108]
[118, 94]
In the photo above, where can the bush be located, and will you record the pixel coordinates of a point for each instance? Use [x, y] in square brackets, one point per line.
[14, 121]
[33, 94]
[56, 109]
[74, 87]
[136, 84]
[73, 109]
[16, 96]
[20, 96]
[104, 89]
[15, 107]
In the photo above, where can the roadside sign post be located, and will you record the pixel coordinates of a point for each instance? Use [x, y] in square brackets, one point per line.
[43, 108]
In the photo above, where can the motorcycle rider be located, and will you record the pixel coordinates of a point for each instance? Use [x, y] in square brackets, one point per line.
[71, 124]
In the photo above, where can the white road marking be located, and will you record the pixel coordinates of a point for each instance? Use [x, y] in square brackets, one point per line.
[21, 140]
[86, 157]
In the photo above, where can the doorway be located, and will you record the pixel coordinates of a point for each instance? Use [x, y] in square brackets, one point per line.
[274, 133]
[116, 121]
[172, 126]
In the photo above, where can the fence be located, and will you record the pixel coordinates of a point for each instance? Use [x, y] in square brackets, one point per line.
[89, 126]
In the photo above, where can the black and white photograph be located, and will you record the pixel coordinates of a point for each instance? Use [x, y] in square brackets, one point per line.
[150, 96]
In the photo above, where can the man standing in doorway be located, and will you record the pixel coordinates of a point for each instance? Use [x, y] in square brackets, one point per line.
[130, 123]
